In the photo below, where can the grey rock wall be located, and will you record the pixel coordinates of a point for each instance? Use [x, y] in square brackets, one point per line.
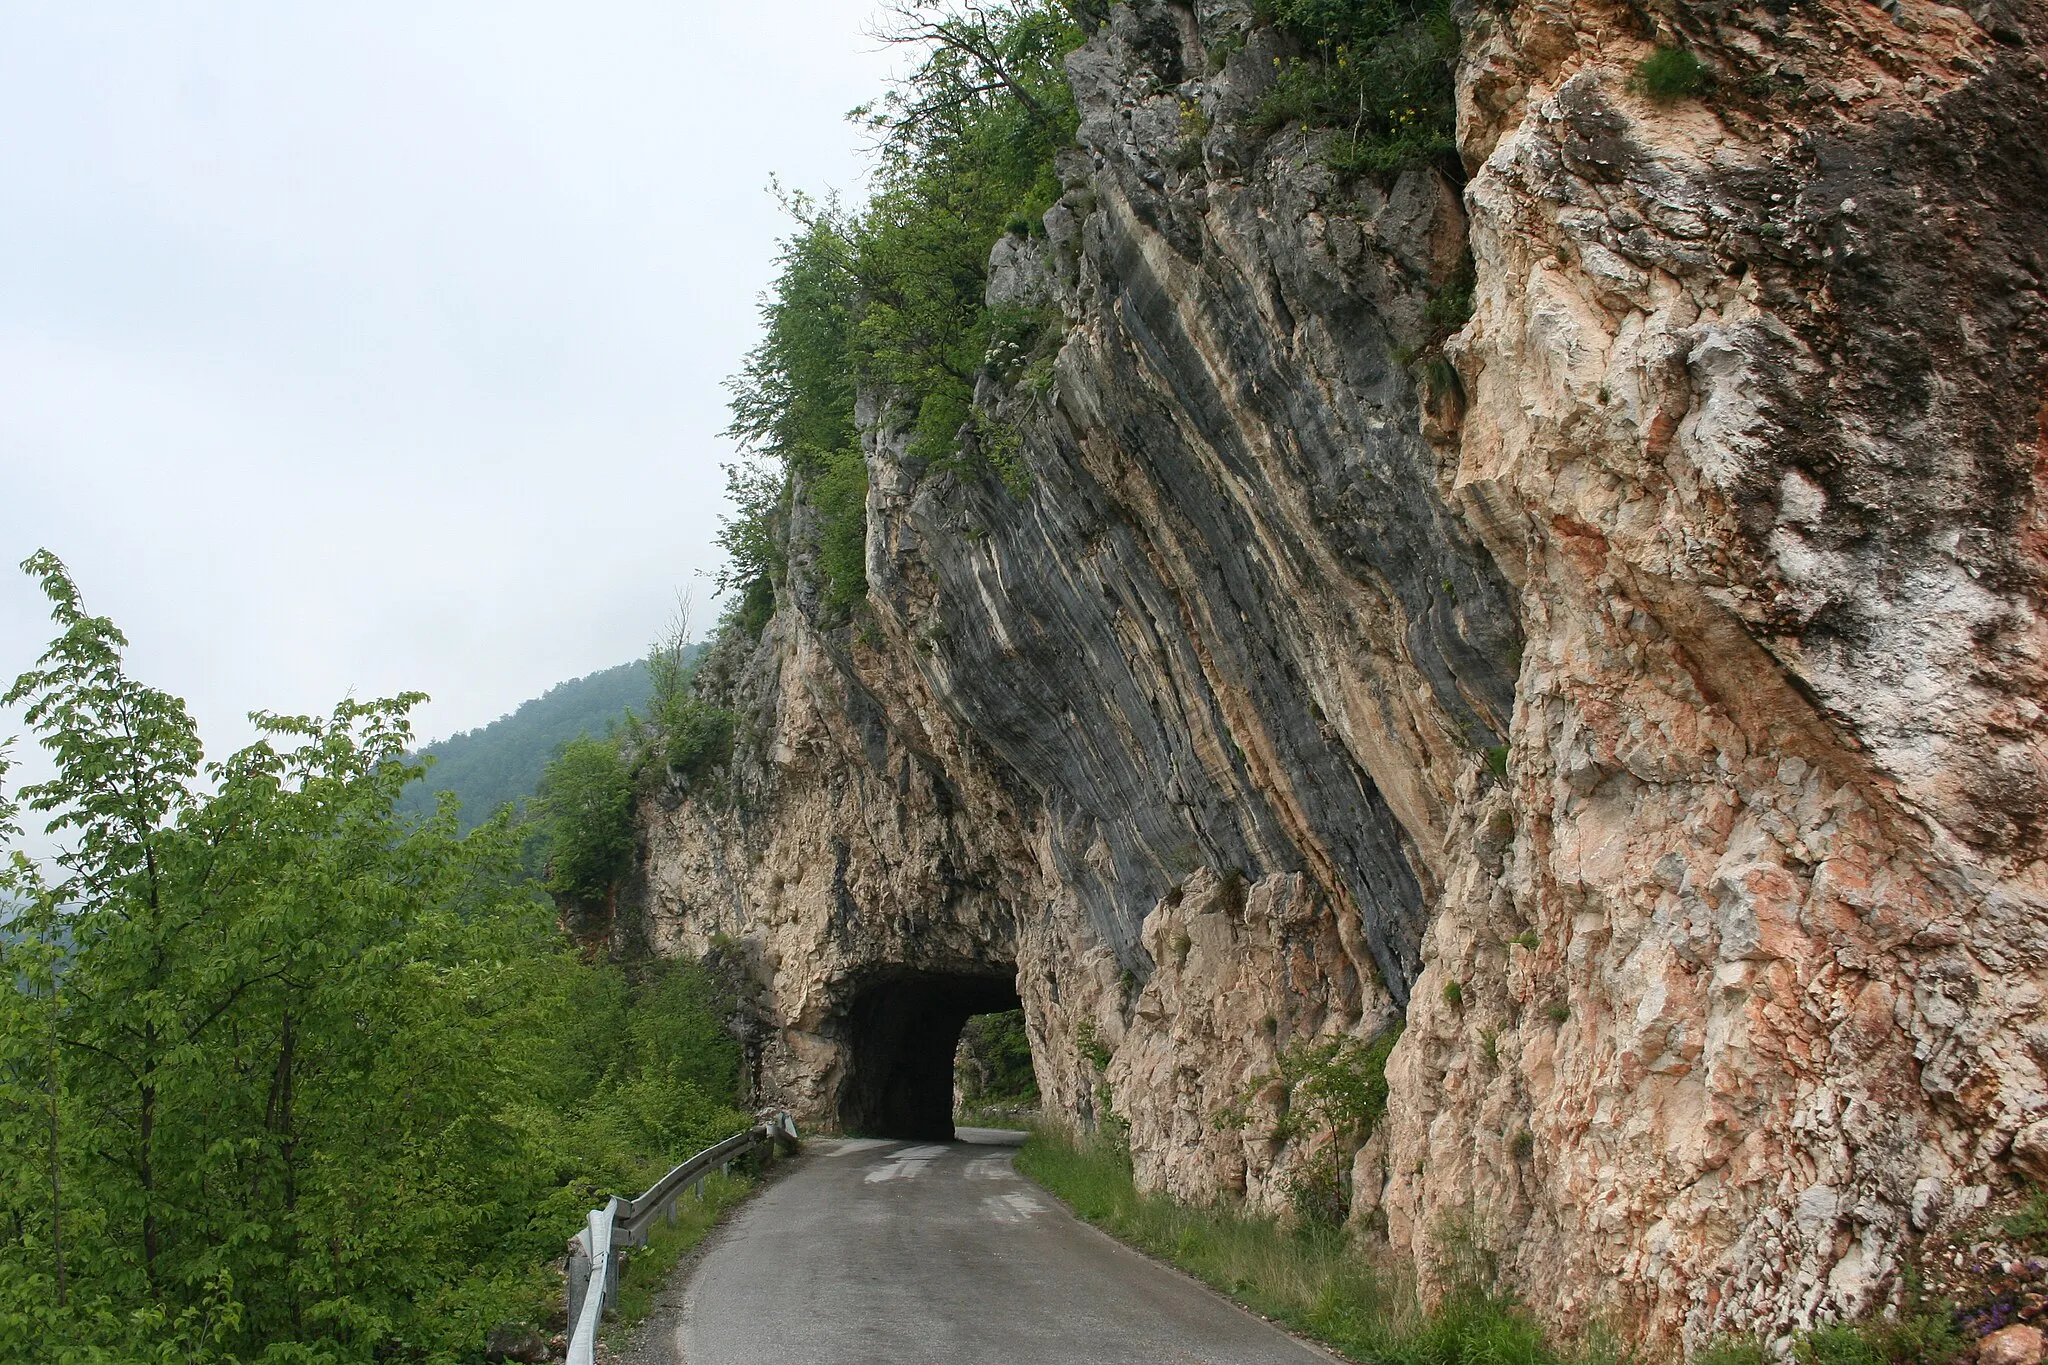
[1667, 683]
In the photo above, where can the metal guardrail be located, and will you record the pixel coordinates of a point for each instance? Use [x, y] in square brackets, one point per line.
[623, 1223]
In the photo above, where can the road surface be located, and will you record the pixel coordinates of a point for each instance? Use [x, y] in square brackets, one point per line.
[873, 1252]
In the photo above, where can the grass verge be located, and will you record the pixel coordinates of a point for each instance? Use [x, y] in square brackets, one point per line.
[649, 1267]
[1316, 1283]
[1323, 1286]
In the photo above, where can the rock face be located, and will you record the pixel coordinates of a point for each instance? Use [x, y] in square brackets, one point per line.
[1648, 716]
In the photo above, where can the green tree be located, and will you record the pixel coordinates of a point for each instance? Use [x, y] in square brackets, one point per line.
[284, 1075]
[586, 811]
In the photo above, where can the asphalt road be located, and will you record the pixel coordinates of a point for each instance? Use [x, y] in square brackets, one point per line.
[873, 1252]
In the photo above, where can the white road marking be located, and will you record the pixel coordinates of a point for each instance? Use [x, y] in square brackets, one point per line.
[1015, 1207]
[989, 1168]
[906, 1164]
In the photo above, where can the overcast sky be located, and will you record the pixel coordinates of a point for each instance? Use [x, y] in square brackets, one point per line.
[378, 346]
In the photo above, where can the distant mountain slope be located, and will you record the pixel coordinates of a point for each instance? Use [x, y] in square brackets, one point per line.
[502, 761]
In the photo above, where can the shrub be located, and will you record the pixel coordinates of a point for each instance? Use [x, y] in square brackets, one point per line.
[1337, 1085]
[1318, 1193]
[690, 735]
[1450, 304]
[1092, 1049]
[1379, 73]
[2028, 1223]
[1670, 73]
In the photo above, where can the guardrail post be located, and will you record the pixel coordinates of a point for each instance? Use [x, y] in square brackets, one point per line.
[578, 1275]
[614, 1262]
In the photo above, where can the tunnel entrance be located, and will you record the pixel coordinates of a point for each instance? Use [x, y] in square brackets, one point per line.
[900, 1034]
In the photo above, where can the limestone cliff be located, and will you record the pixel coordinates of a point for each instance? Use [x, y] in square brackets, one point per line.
[1666, 681]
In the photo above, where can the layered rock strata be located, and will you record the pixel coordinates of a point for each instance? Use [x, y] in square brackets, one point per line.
[1647, 716]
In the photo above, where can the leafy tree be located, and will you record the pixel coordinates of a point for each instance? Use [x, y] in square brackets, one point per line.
[690, 735]
[586, 809]
[284, 1075]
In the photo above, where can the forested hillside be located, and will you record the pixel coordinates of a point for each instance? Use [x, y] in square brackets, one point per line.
[502, 762]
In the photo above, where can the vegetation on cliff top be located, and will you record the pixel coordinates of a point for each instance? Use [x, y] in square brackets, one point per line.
[888, 300]
[1378, 73]
[583, 826]
[284, 1074]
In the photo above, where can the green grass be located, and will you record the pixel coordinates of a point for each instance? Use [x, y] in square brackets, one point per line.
[648, 1267]
[1317, 1283]
[1324, 1286]
[1924, 1338]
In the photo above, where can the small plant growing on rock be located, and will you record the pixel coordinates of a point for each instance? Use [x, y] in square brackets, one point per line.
[1454, 994]
[1522, 1145]
[1670, 73]
[1489, 1046]
[2029, 1222]
[1182, 946]
[1091, 1047]
[1526, 939]
[1559, 1011]
[1497, 760]
[1338, 1085]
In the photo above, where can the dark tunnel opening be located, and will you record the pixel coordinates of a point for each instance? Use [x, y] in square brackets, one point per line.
[900, 1035]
